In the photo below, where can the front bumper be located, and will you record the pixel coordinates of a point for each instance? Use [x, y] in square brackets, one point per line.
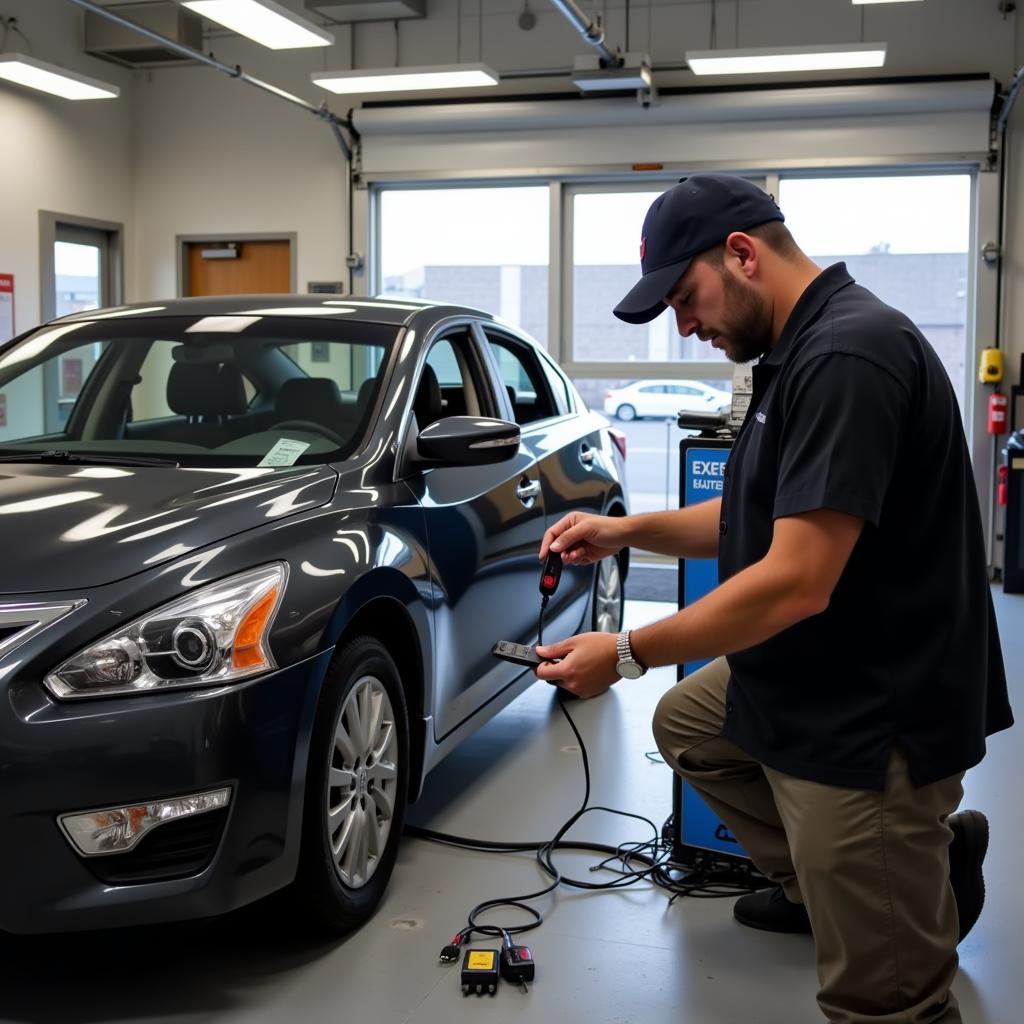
[59, 757]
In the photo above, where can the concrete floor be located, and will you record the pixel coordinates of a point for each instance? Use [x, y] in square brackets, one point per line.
[604, 958]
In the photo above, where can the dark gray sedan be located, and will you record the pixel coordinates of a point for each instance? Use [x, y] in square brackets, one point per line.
[256, 552]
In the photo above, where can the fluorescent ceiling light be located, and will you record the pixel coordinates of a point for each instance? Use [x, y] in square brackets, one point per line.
[885, 1]
[786, 58]
[37, 74]
[264, 21]
[441, 76]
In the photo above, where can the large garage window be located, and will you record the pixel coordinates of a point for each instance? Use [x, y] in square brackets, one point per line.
[605, 232]
[485, 247]
[905, 237]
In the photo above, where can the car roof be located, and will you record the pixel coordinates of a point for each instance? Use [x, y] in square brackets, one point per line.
[328, 307]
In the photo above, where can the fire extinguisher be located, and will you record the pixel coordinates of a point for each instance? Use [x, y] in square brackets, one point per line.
[1001, 490]
[997, 407]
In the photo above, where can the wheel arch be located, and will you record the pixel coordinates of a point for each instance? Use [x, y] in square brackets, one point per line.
[385, 605]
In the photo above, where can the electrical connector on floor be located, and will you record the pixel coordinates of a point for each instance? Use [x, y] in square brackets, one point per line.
[450, 953]
[480, 972]
[517, 964]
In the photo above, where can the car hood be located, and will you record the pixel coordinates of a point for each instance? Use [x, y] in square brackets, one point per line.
[65, 527]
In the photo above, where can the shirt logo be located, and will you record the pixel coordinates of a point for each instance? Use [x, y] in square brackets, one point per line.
[760, 417]
[643, 248]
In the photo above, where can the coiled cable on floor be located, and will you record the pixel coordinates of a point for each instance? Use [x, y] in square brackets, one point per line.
[642, 860]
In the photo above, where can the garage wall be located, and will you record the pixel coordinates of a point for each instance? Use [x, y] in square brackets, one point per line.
[214, 155]
[70, 157]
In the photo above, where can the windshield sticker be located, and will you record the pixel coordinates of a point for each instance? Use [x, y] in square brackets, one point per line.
[284, 453]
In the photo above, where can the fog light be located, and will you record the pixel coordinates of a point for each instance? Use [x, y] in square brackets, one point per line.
[118, 829]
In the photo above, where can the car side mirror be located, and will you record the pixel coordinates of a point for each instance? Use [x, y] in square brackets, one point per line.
[468, 441]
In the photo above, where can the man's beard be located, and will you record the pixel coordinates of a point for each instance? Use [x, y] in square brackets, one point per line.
[747, 327]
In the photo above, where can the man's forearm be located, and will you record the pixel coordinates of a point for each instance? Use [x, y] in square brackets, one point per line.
[747, 609]
[681, 533]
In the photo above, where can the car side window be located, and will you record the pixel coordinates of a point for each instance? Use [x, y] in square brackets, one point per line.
[559, 386]
[526, 384]
[451, 383]
[653, 389]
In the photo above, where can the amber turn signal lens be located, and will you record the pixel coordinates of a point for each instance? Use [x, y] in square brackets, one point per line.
[247, 652]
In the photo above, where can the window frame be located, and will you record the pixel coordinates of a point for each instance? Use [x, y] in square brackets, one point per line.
[492, 334]
[563, 183]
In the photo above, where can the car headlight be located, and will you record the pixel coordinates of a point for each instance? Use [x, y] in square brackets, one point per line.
[215, 634]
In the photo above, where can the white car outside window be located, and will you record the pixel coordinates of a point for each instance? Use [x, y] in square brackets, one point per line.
[663, 399]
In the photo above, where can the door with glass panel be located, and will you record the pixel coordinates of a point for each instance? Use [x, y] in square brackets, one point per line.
[83, 280]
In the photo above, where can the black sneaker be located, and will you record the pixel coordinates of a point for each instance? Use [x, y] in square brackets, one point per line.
[770, 911]
[966, 855]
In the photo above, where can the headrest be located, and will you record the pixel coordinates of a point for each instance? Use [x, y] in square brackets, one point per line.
[427, 405]
[309, 398]
[205, 389]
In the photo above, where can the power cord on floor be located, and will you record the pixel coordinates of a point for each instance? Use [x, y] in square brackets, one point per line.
[639, 860]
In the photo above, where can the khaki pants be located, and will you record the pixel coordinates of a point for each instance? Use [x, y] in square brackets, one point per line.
[871, 867]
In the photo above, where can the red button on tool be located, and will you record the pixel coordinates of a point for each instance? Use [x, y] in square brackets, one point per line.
[524, 953]
[549, 581]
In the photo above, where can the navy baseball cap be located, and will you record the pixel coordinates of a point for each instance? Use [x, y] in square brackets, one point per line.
[694, 216]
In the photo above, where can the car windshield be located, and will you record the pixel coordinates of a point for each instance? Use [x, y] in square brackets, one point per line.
[241, 390]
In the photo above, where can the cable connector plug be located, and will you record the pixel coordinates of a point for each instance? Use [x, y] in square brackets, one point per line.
[517, 965]
[450, 953]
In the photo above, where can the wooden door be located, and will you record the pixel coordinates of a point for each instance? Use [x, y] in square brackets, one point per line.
[260, 267]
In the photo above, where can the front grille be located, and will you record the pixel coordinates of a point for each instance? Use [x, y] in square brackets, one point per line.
[175, 850]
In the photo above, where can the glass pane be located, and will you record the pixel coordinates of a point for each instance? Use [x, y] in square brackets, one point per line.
[175, 387]
[606, 264]
[906, 238]
[652, 436]
[480, 247]
[77, 270]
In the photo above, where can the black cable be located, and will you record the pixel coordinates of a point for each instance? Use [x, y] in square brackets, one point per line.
[653, 854]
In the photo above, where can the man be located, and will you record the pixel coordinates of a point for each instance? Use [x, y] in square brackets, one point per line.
[857, 666]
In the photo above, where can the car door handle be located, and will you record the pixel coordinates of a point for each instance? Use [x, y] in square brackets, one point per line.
[586, 455]
[527, 491]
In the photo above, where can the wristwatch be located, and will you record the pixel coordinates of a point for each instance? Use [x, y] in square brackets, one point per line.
[628, 667]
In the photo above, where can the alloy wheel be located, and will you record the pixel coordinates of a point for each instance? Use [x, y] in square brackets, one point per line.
[608, 596]
[362, 779]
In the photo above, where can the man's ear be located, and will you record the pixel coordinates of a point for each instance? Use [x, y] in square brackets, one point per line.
[742, 248]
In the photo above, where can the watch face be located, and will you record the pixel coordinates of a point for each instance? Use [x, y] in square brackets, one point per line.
[629, 670]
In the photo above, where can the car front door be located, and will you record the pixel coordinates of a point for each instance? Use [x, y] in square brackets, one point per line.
[571, 458]
[484, 528]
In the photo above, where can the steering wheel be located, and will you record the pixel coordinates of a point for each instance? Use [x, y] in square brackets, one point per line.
[311, 427]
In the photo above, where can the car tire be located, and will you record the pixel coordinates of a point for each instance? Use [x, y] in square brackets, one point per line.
[625, 412]
[357, 774]
[607, 600]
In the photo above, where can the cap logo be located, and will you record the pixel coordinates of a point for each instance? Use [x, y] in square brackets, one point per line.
[643, 248]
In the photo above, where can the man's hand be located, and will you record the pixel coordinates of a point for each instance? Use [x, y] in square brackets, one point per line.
[587, 665]
[583, 538]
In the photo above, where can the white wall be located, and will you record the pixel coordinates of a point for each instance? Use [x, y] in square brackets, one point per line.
[214, 155]
[69, 157]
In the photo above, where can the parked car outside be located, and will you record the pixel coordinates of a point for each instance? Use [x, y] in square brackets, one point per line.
[664, 399]
[256, 553]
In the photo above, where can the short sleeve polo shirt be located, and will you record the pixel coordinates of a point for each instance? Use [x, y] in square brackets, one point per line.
[853, 411]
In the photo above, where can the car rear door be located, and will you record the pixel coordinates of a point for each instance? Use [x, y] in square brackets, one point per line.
[484, 528]
[572, 456]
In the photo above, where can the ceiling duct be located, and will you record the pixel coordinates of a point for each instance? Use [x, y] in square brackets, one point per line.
[368, 10]
[114, 42]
